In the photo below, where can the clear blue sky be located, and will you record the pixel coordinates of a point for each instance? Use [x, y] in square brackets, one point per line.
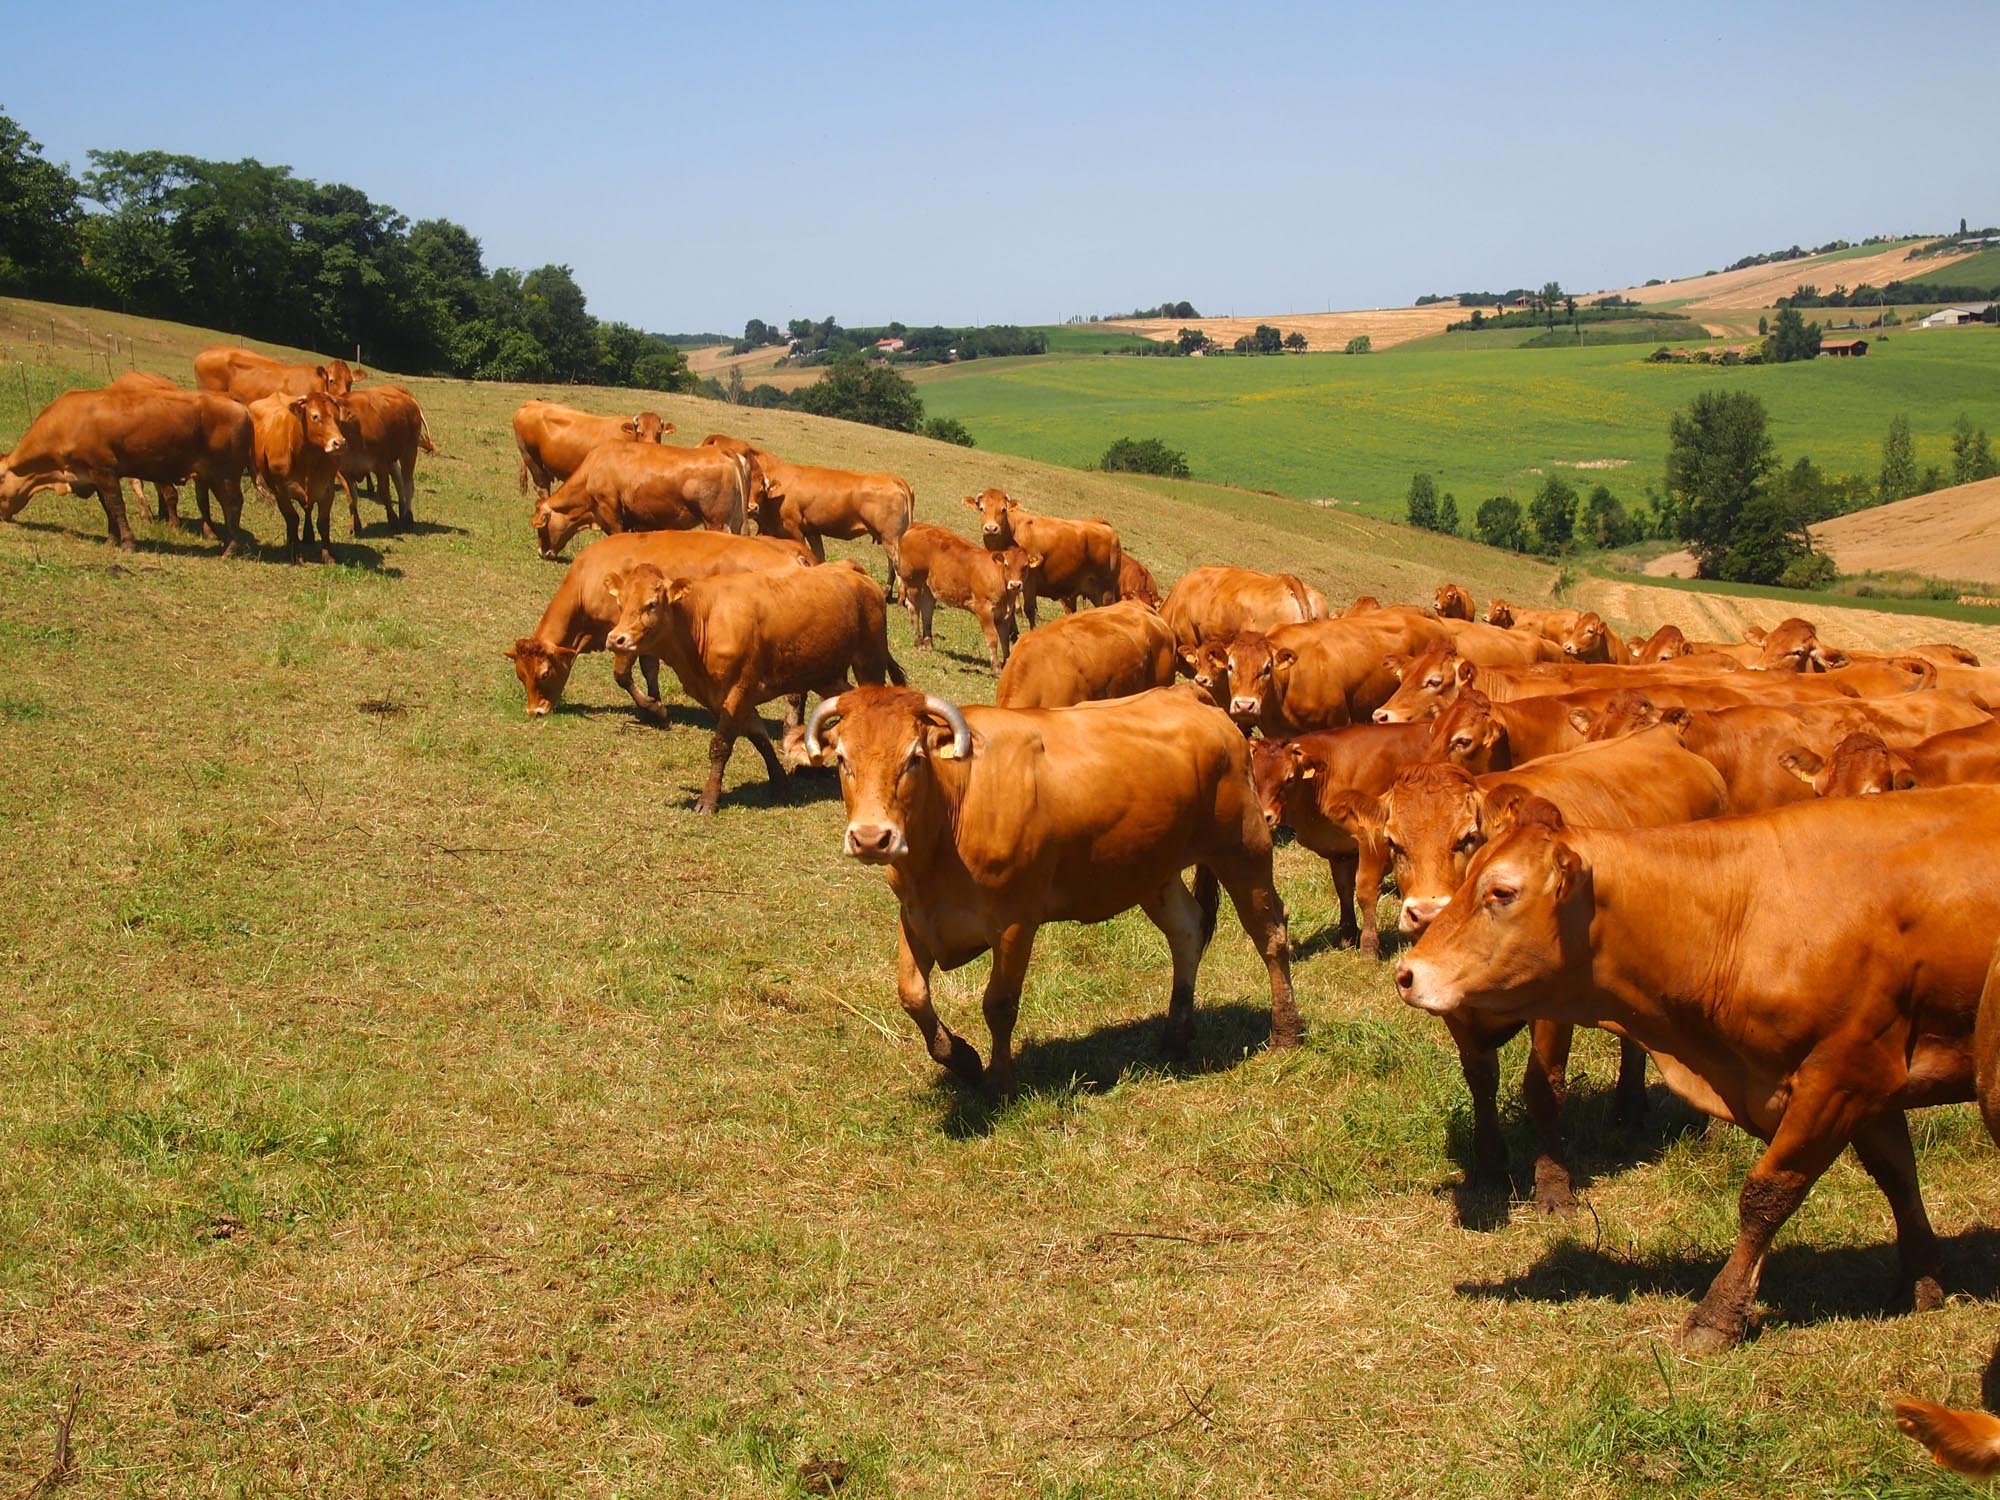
[697, 166]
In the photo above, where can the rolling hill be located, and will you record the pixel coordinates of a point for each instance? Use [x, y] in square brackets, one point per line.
[1950, 533]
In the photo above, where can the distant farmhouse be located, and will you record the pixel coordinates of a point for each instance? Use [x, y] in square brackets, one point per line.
[1953, 317]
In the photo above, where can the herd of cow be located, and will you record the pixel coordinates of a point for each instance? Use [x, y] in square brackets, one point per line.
[1684, 843]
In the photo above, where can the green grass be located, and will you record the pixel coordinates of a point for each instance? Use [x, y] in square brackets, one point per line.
[1982, 269]
[1483, 421]
[1087, 338]
[401, 1096]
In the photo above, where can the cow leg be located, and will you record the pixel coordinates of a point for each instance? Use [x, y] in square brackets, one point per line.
[913, 988]
[1259, 908]
[795, 705]
[111, 495]
[1368, 867]
[926, 607]
[1343, 867]
[1883, 1144]
[812, 540]
[405, 475]
[326, 525]
[353, 507]
[1174, 910]
[1544, 1086]
[649, 668]
[291, 514]
[1816, 1126]
[719, 745]
[895, 555]
[1002, 1005]
[774, 768]
[621, 672]
[230, 489]
[1479, 1061]
[916, 621]
[992, 631]
[1629, 1105]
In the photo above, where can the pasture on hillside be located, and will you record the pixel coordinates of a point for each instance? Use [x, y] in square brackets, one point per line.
[402, 1096]
[1482, 421]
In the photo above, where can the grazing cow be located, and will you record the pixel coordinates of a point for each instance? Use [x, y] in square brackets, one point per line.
[1864, 764]
[1113, 652]
[1290, 776]
[993, 821]
[298, 446]
[90, 442]
[1665, 644]
[1551, 624]
[166, 496]
[739, 640]
[244, 376]
[641, 487]
[808, 504]
[1080, 559]
[1454, 603]
[583, 611]
[553, 440]
[1135, 581]
[1591, 640]
[1220, 603]
[1321, 674]
[385, 431]
[1813, 1023]
[1794, 646]
[1433, 820]
[938, 566]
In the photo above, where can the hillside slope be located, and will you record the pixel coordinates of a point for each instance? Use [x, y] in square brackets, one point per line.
[1950, 533]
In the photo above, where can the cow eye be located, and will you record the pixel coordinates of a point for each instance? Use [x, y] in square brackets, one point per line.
[1461, 742]
[1394, 848]
[1500, 895]
[1469, 841]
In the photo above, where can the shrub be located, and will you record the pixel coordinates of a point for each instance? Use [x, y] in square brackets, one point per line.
[1815, 570]
[1553, 511]
[1499, 524]
[1360, 344]
[1143, 456]
[945, 430]
[1421, 503]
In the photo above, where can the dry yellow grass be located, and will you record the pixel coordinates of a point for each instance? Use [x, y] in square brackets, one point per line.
[758, 367]
[1952, 533]
[1385, 326]
[1722, 617]
[1761, 286]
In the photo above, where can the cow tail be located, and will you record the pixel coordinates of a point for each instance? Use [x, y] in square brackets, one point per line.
[424, 439]
[1297, 589]
[524, 471]
[897, 676]
[1207, 896]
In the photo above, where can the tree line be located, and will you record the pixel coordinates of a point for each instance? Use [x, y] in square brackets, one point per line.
[270, 255]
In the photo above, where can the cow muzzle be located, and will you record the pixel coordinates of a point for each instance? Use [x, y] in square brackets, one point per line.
[990, 528]
[1416, 988]
[1384, 716]
[618, 640]
[875, 843]
[1241, 707]
[1419, 913]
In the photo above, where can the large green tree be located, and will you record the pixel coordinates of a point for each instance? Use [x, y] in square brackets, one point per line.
[1971, 452]
[1499, 524]
[858, 391]
[1792, 338]
[1553, 512]
[1719, 454]
[41, 248]
[1898, 479]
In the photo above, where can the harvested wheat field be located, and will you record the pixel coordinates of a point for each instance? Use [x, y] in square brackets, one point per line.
[1761, 286]
[1724, 617]
[1952, 533]
[758, 366]
[1329, 331]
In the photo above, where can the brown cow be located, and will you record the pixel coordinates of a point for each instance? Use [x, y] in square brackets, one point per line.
[1664, 644]
[1864, 764]
[1794, 645]
[938, 566]
[1290, 776]
[385, 431]
[1080, 559]
[245, 376]
[1365, 604]
[298, 445]
[1454, 603]
[1220, 603]
[808, 504]
[1591, 640]
[583, 611]
[1113, 652]
[640, 487]
[1321, 674]
[1815, 1023]
[739, 640]
[1135, 581]
[89, 442]
[1551, 624]
[1432, 821]
[1967, 1441]
[553, 440]
[993, 821]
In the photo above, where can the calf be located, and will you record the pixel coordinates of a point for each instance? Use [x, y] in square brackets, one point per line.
[1290, 776]
[1453, 603]
[1433, 820]
[1080, 559]
[385, 431]
[298, 445]
[740, 640]
[1794, 645]
[89, 442]
[1813, 1023]
[583, 611]
[938, 566]
[552, 440]
[991, 822]
[1112, 652]
[1135, 581]
[641, 487]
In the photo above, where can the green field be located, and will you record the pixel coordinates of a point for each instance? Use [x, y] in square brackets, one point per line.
[1483, 421]
[1982, 269]
[1089, 338]
[398, 1096]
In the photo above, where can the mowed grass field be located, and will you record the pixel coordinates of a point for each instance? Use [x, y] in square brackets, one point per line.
[1482, 421]
[401, 1097]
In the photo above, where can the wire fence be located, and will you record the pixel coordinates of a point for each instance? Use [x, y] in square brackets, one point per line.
[34, 371]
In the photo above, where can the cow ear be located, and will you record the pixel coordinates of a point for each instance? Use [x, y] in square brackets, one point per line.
[1832, 661]
[1466, 670]
[970, 503]
[675, 588]
[567, 653]
[1010, 502]
[613, 582]
[666, 427]
[358, 373]
[1285, 657]
[1802, 763]
[319, 373]
[1903, 779]
[1679, 719]
[1569, 870]
[1035, 559]
[1581, 719]
[512, 653]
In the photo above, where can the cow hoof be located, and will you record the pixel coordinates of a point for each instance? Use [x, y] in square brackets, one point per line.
[229, 551]
[1699, 1338]
[1371, 945]
[1926, 1295]
[1557, 1201]
[1285, 1038]
[704, 808]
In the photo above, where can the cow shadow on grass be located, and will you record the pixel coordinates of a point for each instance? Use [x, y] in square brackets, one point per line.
[754, 793]
[166, 539]
[1595, 1144]
[1801, 1284]
[410, 528]
[1059, 1067]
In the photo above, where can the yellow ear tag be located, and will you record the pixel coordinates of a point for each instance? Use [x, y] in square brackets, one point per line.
[947, 752]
